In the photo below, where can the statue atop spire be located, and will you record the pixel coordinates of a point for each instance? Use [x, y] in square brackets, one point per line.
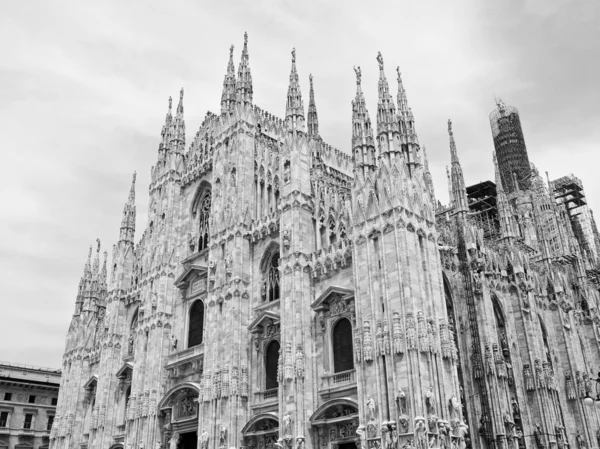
[294, 55]
[358, 75]
[380, 60]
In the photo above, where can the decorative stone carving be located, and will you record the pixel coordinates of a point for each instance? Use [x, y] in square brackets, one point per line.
[299, 362]
[286, 238]
[397, 333]
[379, 337]
[411, 332]
[222, 436]
[528, 377]
[367, 342]
[422, 330]
[421, 433]
[401, 401]
[288, 362]
[244, 382]
[203, 440]
[287, 425]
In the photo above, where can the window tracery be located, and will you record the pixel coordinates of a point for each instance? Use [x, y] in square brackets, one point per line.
[270, 286]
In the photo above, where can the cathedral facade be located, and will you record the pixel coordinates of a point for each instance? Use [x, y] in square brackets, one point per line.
[289, 295]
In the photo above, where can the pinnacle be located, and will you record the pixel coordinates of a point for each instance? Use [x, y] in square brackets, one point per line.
[453, 153]
[313, 119]
[244, 81]
[295, 105]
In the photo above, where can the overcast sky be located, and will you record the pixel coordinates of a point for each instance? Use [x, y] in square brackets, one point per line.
[84, 89]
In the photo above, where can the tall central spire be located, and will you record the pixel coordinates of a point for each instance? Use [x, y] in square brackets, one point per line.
[363, 145]
[244, 81]
[294, 111]
[459, 191]
[228, 97]
[313, 119]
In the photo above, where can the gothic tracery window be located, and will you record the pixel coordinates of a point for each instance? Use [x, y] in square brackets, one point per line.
[196, 326]
[270, 287]
[343, 357]
[271, 363]
[204, 219]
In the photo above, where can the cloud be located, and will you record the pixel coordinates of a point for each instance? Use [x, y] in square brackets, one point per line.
[85, 87]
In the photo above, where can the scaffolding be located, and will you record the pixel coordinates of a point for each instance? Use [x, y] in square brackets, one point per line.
[511, 151]
[483, 209]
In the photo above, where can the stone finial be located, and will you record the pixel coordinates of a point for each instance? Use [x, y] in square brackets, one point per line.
[231, 51]
[294, 55]
[245, 38]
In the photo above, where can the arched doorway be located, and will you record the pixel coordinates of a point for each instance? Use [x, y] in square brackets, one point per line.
[334, 425]
[262, 431]
[179, 416]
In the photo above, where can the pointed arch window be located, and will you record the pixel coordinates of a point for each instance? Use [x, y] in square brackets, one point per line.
[196, 326]
[204, 222]
[271, 364]
[343, 355]
[270, 288]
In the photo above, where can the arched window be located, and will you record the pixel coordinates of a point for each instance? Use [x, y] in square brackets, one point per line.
[196, 324]
[204, 214]
[270, 290]
[271, 362]
[343, 354]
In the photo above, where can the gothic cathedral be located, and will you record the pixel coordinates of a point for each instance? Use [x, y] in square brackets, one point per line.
[288, 295]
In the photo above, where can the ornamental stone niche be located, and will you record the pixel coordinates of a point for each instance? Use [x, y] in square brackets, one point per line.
[334, 425]
[179, 413]
[261, 432]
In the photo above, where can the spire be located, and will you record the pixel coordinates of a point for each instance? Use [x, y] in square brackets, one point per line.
[387, 120]
[228, 97]
[128, 221]
[427, 175]
[96, 266]
[166, 129]
[178, 133]
[244, 81]
[406, 125]
[459, 191]
[294, 111]
[83, 283]
[505, 215]
[313, 119]
[363, 145]
[453, 153]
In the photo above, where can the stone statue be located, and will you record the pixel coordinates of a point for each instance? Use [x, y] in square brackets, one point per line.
[401, 401]
[130, 344]
[174, 440]
[203, 440]
[293, 55]
[371, 407]
[173, 342]
[380, 60]
[421, 433]
[581, 444]
[300, 442]
[455, 406]
[287, 424]
[358, 74]
[222, 436]
[430, 401]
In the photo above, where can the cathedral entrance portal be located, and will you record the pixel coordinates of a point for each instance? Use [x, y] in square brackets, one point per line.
[188, 440]
[334, 425]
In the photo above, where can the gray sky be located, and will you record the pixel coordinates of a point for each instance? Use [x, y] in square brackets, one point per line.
[84, 89]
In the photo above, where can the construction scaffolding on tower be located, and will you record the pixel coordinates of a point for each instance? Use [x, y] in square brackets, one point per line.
[483, 209]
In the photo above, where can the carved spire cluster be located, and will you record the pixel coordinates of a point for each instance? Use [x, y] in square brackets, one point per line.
[313, 119]
[294, 111]
[405, 116]
[166, 129]
[244, 81]
[228, 97]
[459, 190]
